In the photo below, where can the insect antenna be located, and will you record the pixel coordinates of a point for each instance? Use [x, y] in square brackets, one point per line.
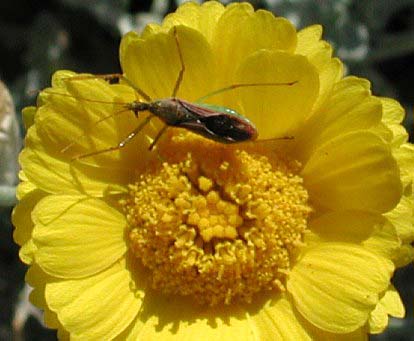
[109, 77]
[83, 99]
[129, 107]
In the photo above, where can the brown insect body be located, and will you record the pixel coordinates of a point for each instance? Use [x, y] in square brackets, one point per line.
[214, 122]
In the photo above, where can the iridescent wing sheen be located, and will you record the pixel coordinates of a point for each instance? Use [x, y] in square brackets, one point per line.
[217, 123]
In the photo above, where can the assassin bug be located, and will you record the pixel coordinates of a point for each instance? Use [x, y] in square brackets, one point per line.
[214, 122]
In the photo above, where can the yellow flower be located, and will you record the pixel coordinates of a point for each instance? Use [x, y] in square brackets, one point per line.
[276, 239]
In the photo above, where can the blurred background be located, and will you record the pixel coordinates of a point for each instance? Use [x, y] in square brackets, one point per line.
[375, 40]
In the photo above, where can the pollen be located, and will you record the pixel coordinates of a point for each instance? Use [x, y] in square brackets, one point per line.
[218, 231]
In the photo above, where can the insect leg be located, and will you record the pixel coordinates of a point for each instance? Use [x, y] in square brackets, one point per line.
[181, 73]
[240, 85]
[121, 144]
[159, 134]
[65, 149]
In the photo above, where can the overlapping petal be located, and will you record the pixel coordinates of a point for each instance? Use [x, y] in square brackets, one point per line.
[336, 285]
[94, 241]
[73, 122]
[350, 107]
[340, 174]
[319, 54]
[156, 73]
[22, 220]
[277, 110]
[97, 307]
[353, 154]
[389, 304]
[240, 32]
[200, 18]
[370, 230]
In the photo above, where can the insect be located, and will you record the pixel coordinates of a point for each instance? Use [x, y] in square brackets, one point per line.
[214, 122]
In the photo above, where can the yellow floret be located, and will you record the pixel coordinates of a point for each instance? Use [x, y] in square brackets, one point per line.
[221, 245]
[204, 183]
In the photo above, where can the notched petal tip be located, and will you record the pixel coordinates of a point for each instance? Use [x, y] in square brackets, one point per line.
[336, 285]
[354, 171]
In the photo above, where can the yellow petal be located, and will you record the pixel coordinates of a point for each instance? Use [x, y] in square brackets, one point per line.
[48, 170]
[320, 335]
[202, 18]
[336, 285]
[402, 218]
[277, 110]
[371, 230]
[28, 115]
[21, 216]
[319, 54]
[59, 80]
[68, 111]
[353, 171]
[393, 116]
[153, 64]
[383, 131]
[310, 44]
[37, 279]
[384, 241]
[25, 186]
[27, 251]
[329, 75]
[405, 158]
[76, 236]
[63, 335]
[97, 307]
[309, 40]
[172, 318]
[85, 116]
[392, 303]
[278, 320]
[241, 31]
[350, 107]
[23, 223]
[389, 304]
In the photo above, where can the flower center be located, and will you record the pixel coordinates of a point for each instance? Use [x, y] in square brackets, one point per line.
[220, 225]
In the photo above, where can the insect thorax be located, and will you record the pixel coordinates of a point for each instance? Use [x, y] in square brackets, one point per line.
[169, 110]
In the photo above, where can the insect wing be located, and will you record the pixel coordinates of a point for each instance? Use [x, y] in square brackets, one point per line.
[218, 123]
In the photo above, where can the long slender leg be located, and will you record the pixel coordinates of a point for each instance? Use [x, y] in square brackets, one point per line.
[157, 137]
[109, 78]
[235, 86]
[181, 73]
[287, 137]
[121, 144]
[65, 149]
